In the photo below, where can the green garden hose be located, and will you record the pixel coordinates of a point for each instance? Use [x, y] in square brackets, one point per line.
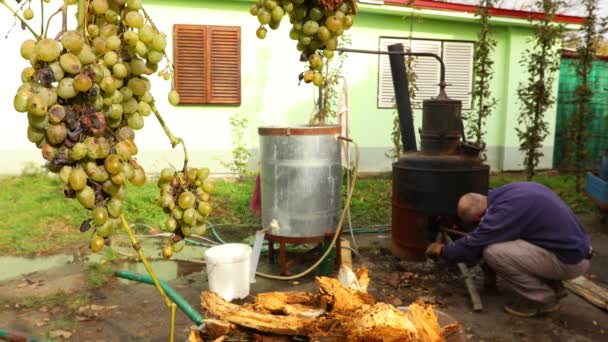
[11, 336]
[171, 293]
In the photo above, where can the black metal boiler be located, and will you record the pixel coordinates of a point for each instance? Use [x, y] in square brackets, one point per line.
[428, 183]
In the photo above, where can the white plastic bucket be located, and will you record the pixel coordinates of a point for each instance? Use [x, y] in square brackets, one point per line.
[228, 268]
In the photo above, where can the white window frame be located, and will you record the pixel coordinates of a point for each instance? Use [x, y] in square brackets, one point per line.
[457, 56]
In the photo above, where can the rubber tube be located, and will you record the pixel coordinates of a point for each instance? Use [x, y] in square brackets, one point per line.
[171, 293]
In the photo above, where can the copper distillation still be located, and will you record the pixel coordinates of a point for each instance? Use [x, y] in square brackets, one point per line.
[427, 184]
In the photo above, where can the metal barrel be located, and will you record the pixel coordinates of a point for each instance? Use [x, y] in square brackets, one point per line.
[300, 179]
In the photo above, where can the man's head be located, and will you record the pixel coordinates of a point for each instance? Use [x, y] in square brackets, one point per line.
[472, 207]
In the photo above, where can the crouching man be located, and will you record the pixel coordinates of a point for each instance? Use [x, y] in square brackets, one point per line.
[529, 237]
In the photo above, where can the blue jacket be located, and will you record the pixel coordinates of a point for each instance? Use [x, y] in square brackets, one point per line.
[527, 211]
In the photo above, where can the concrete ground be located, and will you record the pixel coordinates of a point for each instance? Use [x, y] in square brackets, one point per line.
[126, 311]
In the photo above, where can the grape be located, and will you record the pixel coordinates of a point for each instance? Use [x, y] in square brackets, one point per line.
[28, 47]
[78, 179]
[135, 121]
[21, 100]
[154, 56]
[114, 206]
[99, 6]
[93, 30]
[310, 27]
[140, 49]
[86, 197]
[167, 252]
[35, 135]
[105, 230]
[111, 16]
[79, 151]
[72, 41]
[48, 50]
[119, 70]
[82, 82]
[85, 97]
[131, 38]
[97, 244]
[110, 58]
[134, 4]
[134, 19]
[264, 16]
[36, 105]
[204, 208]
[173, 98]
[261, 32]
[57, 71]
[146, 33]
[86, 55]
[113, 43]
[28, 14]
[139, 176]
[323, 33]
[186, 200]
[315, 26]
[159, 42]
[56, 133]
[27, 75]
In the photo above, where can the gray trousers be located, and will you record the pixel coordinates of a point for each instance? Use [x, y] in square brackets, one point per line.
[526, 268]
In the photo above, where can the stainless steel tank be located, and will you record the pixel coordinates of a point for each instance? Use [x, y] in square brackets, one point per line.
[300, 179]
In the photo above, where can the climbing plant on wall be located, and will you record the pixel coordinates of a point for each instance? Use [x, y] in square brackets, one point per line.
[483, 64]
[577, 131]
[541, 61]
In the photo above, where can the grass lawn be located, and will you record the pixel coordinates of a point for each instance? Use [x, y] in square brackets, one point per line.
[37, 218]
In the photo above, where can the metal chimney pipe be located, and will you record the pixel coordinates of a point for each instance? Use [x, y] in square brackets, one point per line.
[402, 98]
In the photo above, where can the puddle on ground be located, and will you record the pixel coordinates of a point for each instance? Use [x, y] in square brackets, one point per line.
[13, 267]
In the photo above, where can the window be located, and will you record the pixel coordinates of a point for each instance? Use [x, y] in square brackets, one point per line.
[207, 63]
[458, 59]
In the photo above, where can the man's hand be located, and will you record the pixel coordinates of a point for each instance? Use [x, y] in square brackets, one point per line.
[434, 250]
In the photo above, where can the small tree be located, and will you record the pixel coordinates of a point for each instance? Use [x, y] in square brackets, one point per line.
[327, 97]
[396, 151]
[577, 131]
[541, 61]
[239, 165]
[482, 68]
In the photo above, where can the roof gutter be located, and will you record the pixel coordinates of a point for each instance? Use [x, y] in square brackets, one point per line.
[458, 12]
[450, 14]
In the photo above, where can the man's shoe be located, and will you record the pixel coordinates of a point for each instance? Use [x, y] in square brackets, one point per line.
[524, 307]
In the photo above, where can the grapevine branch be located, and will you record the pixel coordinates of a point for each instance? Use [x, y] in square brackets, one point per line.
[20, 19]
[142, 257]
[174, 140]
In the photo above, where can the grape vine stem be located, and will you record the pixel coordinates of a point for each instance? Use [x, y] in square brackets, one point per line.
[174, 140]
[20, 19]
[41, 17]
[48, 22]
[81, 14]
[140, 252]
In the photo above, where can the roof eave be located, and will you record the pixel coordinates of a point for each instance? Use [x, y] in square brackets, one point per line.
[447, 14]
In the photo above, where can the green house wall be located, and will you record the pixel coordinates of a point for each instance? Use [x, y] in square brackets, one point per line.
[271, 95]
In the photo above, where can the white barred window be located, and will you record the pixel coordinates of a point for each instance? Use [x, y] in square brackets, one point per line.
[458, 59]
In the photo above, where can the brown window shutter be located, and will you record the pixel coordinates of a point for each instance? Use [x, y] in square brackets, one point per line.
[224, 64]
[190, 54]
